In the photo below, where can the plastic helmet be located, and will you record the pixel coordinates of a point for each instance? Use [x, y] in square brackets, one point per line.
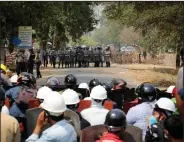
[115, 120]
[107, 87]
[14, 78]
[54, 104]
[53, 81]
[166, 104]
[84, 86]
[27, 79]
[71, 97]
[70, 80]
[3, 68]
[99, 93]
[43, 92]
[170, 89]
[146, 91]
[94, 82]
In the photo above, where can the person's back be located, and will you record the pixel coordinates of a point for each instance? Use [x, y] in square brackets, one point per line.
[10, 131]
[136, 116]
[95, 115]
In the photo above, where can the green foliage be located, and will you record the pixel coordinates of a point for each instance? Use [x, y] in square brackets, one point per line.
[52, 20]
[160, 22]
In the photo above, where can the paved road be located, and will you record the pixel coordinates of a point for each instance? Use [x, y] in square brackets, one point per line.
[86, 74]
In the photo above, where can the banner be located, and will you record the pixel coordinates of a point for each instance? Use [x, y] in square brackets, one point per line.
[25, 35]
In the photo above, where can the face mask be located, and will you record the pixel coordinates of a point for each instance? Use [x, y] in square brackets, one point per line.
[152, 120]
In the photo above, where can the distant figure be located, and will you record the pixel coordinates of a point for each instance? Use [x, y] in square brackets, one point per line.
[144, 55]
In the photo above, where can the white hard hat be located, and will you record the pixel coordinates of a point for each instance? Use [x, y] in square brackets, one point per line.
[71, 97]
[54, 104]
[166, 104]
[84, 86]
[99, 93]
[14, 78]
[43, 92]
[170, 89]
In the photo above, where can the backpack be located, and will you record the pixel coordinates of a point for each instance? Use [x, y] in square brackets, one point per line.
[25, 94]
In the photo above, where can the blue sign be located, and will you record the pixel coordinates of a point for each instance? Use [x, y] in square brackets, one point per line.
[16, 41]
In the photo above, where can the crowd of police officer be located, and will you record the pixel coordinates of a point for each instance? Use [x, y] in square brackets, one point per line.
[78, 57]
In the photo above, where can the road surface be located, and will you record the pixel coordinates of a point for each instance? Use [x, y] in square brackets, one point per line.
[86, 74]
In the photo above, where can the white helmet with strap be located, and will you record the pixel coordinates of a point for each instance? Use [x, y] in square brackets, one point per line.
[54, 104]
[43, 92]
[99, 93]
[84, 86]
[71, 97]
[166, 104]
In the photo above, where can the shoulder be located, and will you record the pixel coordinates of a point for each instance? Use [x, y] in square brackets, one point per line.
[9, 119]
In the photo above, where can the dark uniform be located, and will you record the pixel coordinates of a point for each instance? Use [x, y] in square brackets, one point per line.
[45, 58]
[72, 57]
[53, 57]
[80, 55]
[67, 58]
[86, 57]
[61, 57]
[107, 58]
[31, 61]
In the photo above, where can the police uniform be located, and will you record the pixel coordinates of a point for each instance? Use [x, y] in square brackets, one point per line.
[107, 57]
[72, 57]
[80, 55]
[67, 58]
[86, 57]
[53, 58]
[61, 58]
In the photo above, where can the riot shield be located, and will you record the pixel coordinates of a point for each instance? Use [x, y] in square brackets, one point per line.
[93, 133]
[83, 104]
[74, 120]
[32, 115]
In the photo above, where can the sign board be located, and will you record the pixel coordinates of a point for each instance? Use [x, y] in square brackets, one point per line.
[25, 35]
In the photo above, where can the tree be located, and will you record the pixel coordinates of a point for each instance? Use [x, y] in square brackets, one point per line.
[160, 22]
[51, 20]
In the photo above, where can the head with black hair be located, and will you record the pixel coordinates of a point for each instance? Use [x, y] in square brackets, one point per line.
[174, 128]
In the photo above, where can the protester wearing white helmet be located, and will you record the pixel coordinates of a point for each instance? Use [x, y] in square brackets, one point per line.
[96, 113]
[60, 130]
[84, 86]
[170, 89]
[72, 102]
[163, 108]
[42, 93]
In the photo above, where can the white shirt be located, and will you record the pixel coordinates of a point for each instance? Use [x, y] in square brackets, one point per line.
[95, 115]
[179, 80]
[5, 110]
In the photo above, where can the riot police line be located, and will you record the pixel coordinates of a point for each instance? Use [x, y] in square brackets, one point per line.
[80, 57]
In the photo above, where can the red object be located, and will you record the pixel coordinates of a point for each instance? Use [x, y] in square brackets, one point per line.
[84, 104]
[33, 103]
[21, 127]
[109, 137]
[175, 90]
[7, 103]
[128, 105]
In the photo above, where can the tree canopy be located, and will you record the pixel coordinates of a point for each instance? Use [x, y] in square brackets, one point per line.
[54, 21]
[161, 23]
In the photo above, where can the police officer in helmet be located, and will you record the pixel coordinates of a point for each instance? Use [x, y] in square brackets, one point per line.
[115, 124]
[136, 115]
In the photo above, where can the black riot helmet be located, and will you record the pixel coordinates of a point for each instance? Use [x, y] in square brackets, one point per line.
[146, 91]
[107, 86]
[27, 79]
[53, 81]
[70, 80]
[94, 82]
[115, 120]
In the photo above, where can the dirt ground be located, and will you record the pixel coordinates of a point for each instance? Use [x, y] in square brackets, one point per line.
[161, 76]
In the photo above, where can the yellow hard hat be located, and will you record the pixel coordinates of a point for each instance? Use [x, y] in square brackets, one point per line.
[3, 67]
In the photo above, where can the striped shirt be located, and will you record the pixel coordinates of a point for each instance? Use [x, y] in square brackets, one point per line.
[137, 115]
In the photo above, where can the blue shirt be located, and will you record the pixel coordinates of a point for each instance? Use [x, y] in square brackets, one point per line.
[62, 131]
[12, 93]
[137, 116]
